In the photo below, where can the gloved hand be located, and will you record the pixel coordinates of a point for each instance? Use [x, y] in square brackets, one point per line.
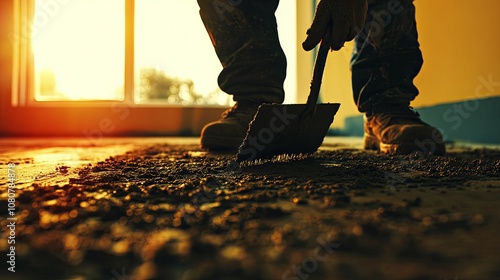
[346, 16]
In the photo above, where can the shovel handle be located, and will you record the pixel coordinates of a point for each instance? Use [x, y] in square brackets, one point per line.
[319, 67]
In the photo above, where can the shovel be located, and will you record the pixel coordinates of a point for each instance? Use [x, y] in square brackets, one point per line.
[292, 129]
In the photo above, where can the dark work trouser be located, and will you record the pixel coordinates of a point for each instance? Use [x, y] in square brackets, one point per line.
[386, 59]
[245, 36]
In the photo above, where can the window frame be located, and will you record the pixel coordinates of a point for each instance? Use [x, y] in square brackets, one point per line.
[72, 118]
[23, 82]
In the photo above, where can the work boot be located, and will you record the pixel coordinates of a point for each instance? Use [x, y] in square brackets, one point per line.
[398, 129]
[228, 132]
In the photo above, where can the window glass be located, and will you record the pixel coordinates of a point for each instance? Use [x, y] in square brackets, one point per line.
[79, 49]
[175, 62]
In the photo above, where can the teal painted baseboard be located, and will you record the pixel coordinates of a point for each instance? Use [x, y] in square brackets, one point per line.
[473, 121]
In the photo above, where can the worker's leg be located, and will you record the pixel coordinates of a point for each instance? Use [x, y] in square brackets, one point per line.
[245, 38]
[386, 59]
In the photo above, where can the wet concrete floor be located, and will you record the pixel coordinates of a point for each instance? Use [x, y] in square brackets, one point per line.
[161, 208]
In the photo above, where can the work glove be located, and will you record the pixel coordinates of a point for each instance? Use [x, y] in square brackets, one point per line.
[347, 19]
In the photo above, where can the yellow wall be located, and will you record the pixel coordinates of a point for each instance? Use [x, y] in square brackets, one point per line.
[460, 41]
[461, 45]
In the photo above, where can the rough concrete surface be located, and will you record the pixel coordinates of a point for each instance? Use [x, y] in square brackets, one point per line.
[161, 211]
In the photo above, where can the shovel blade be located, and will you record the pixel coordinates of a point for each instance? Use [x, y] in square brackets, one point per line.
[281, 129]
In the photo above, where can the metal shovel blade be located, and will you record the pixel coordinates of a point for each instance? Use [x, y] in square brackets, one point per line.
[283, 129]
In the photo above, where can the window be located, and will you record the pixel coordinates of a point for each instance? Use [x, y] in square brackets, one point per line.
[79, 50]
[124, 50]
[85, 68]
[174, 60]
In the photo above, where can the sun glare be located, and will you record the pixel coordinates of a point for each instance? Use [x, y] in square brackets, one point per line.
[79, 51]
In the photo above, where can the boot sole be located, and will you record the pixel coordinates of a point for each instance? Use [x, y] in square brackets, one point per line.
[373, 143]
[215, 143]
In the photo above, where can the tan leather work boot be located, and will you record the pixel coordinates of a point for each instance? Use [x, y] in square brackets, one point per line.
[397, 129]
[228, 132]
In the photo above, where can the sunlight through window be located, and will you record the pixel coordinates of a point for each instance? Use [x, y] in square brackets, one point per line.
[175, 62]
[79, 50]
[174, 59]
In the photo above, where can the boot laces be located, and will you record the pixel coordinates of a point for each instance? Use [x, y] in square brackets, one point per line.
[397, 115]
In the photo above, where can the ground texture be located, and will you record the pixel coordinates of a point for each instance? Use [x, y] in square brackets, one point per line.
[171, 212]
